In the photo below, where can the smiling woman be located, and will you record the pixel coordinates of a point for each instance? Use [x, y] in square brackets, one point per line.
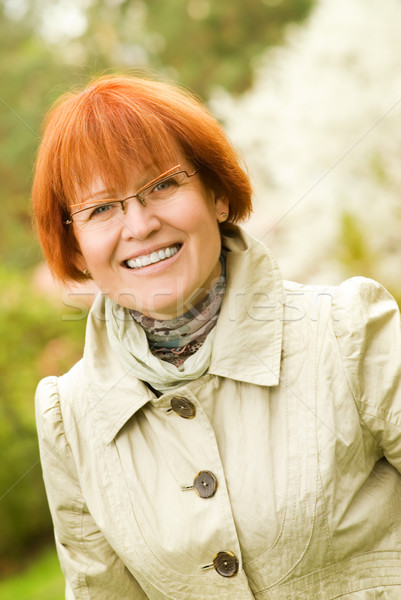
[227, 435]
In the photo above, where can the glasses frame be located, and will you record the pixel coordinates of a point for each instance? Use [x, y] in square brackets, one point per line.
[159, 179]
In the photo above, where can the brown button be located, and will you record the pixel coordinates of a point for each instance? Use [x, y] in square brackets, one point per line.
[205, 484]
[226, 564]
[183, 407]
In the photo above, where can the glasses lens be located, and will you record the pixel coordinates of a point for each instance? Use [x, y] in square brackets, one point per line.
[164, 188]
[99, 216]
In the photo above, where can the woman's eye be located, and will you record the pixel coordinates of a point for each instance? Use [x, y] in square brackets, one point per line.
[164, 186]
[101, 210]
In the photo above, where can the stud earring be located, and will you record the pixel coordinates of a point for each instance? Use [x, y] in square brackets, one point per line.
[223, 217]
[85, 272]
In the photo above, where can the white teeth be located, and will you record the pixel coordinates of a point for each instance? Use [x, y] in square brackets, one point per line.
[153, 257]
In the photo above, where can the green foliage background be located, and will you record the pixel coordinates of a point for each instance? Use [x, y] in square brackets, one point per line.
[198, 43]
[37, 339]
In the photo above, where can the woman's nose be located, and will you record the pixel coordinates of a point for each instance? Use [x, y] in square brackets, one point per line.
[139, 221]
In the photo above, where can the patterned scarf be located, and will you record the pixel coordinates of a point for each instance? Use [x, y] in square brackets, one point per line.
[176, 339]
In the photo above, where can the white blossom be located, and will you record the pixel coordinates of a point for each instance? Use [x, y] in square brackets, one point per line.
[320, 132]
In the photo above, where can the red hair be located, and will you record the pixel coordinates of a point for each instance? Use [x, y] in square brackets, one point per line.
[112, 126]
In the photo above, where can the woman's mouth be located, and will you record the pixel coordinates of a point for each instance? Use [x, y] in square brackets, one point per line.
[153, 257]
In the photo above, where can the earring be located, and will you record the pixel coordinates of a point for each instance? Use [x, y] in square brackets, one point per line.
[223, 217]
[85, 272]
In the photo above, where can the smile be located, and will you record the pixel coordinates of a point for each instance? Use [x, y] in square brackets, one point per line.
[153, 257]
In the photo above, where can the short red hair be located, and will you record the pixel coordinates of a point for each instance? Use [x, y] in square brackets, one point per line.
[106, 129]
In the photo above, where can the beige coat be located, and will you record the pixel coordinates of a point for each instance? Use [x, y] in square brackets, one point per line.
[298, 419]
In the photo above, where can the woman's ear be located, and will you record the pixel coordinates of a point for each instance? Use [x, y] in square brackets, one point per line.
[222, 208]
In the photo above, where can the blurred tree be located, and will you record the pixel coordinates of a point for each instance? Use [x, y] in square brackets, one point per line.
[213, 44]
[29, 74]
[200, 43]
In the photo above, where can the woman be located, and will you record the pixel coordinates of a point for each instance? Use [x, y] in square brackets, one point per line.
[226, 434]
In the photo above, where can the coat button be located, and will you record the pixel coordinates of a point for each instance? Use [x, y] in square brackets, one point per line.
[226, 564]
[205, 484]
[183, 407]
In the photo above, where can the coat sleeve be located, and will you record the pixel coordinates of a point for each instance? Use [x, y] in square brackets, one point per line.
[366, 322]
[90, 566]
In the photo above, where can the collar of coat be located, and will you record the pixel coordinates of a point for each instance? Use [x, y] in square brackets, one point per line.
[247, 343]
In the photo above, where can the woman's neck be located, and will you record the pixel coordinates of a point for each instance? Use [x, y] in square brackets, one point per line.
[174, 340]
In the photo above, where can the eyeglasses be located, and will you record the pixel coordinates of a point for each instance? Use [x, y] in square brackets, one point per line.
[164, 188]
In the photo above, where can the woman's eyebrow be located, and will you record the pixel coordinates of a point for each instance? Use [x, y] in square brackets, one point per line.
[100, 195]
[159, 176]
[106, 194]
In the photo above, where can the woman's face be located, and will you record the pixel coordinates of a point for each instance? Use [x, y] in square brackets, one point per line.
[186, 227]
